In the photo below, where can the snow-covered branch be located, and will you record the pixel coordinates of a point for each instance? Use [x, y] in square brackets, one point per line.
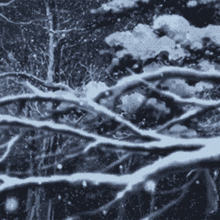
[165, 143]
[174, 163]
[141, 123]
[77, 178]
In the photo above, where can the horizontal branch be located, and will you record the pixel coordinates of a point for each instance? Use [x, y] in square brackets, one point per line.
[165, 144]
[71, 98]
[180, 72]
[178, 99]
[66, 31]
[180, 162]
[186, 116]
[36, 97]
[77, 178]
[174, 163]
[31, 78]
[101, 109]
[44, 125]
[164, 73]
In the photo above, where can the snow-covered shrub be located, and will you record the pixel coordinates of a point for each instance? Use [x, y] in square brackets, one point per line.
[132, 43]
[178, 28]
[93, 88]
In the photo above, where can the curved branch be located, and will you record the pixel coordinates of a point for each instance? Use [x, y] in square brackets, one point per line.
[178, 99]
[162, 73]
[165, 208]
[31, 78]
[180, 161]
[6, 3]
[167, 144]
[14, 22]
[9, 145]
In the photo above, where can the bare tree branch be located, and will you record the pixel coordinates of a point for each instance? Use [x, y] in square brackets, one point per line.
[9, 145]
[6, 3]
[13, 22]
[165, 208]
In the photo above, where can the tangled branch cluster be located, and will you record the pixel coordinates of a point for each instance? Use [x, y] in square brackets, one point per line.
[183, 153]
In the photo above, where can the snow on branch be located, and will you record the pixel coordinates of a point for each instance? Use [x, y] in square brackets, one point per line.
[132, 43]
[41, 96]
[69, 97]
[180, 162]
[76, 178]
[173, 163]
[177, 40]
[195, 3]
[162, 74]
[179, 29]
[66, 31]
[173, 72]
[117, 6]
[24, 122]
[186, 116]
[156, 141]
[178, 99]
[165, 143]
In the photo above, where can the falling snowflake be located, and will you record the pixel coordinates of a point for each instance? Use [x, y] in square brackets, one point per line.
[59, 166]
[11, 204]
[84, 183]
